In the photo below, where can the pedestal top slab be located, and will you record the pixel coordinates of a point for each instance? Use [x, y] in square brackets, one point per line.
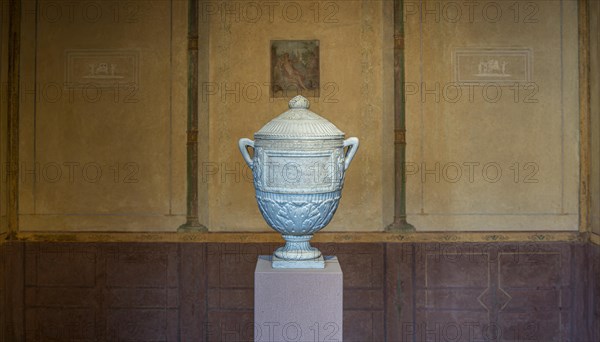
[332, 265]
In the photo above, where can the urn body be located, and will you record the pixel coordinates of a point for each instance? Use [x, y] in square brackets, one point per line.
[298, 167]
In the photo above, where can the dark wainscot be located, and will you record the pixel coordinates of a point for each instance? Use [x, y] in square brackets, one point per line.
[392, 291]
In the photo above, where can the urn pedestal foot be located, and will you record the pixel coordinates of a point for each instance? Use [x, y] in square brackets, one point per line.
[297, 253]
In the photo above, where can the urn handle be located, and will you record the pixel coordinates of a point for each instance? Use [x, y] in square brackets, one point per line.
[243, 144]
[352, 144]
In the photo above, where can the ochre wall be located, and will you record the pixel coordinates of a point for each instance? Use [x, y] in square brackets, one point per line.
[108, 148]
[466, 124]
[139, 129]
[355, 95]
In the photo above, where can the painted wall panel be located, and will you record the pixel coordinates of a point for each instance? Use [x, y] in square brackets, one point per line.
[492, 115]
[355, 93]
[103, 115]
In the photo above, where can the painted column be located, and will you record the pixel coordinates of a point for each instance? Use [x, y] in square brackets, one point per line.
[14, 52]
[192, 223]
[399, 223]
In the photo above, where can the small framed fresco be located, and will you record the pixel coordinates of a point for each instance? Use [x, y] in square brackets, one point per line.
[295, 68]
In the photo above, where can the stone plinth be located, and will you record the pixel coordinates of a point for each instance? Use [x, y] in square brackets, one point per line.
[298, 304]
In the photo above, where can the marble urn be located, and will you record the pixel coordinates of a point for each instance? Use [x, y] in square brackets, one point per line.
[298, 164]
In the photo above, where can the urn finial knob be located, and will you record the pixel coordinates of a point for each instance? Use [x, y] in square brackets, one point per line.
[299, 102]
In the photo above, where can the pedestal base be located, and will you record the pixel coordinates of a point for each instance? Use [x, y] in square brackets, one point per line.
[298, 304]
[400, 226]
[192, 226]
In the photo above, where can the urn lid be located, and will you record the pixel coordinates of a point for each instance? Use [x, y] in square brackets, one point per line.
[299, 123]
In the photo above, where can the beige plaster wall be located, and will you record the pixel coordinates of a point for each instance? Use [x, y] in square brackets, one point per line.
[457, 144]
[103, 115]
[595, 114]
[139, 129]
[356, 75]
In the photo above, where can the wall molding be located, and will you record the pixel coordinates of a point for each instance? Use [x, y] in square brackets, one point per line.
[595, 239]
[332, 237]
[584, 117]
